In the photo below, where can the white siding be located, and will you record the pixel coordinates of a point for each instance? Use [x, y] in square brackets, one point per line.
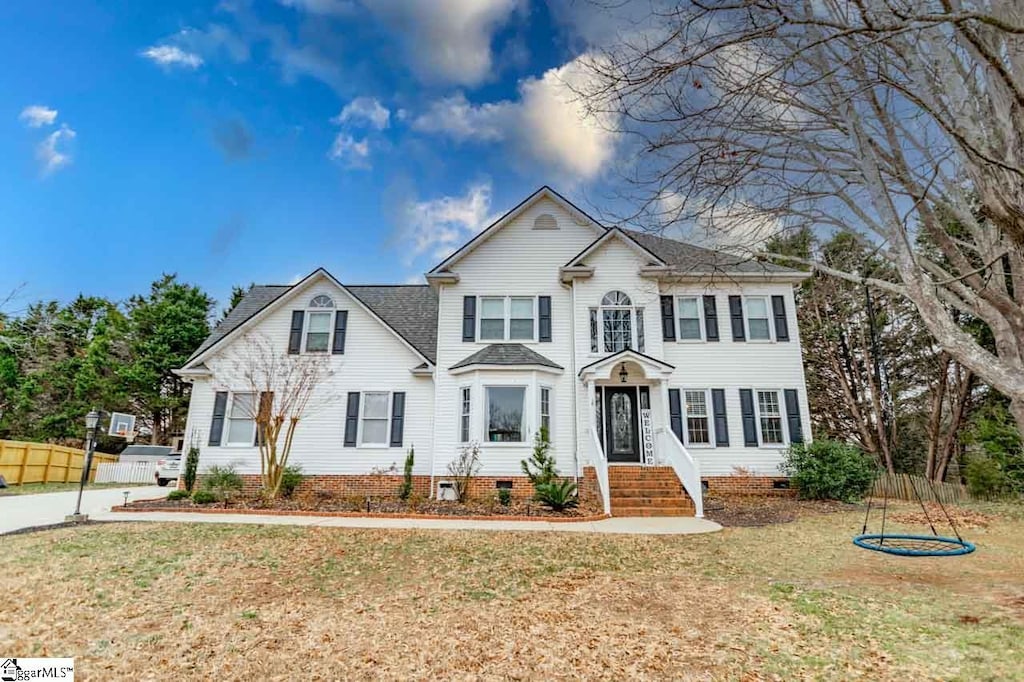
[374, 360]
[517, 260]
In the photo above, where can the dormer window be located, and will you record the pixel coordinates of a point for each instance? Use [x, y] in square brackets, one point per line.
[621, 324]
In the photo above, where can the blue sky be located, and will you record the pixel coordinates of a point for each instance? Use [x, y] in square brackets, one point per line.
[253, 140]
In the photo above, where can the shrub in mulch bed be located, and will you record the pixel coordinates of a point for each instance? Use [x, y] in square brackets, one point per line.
[377, 505]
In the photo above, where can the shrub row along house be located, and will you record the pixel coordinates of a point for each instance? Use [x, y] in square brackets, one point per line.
[657, 368]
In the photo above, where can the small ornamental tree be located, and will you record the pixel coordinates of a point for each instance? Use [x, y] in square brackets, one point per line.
[286, 388]
[540, 467]
[405, 491]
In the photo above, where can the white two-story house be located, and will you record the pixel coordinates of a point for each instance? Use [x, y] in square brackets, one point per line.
[656, 367]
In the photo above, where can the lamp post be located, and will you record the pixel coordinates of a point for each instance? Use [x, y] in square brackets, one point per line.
[92, 420]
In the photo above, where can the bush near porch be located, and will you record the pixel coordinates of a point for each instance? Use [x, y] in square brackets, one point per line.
[787, 602]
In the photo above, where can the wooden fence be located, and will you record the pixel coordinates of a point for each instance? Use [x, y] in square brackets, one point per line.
[45, 462]
[902, 487]
[125, 472]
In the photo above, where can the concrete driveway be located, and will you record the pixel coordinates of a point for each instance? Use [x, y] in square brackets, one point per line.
[25, 511]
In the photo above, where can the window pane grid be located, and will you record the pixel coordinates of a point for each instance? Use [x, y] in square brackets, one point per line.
[545, 409]
[618, 330]
[464, 418]
[757, 319]
[770, 417]
[698, 430]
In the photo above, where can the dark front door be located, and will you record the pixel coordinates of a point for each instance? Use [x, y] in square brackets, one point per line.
[622, 440]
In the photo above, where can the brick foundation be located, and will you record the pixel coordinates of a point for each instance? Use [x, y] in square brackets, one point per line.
[371, 485]
[747, 485]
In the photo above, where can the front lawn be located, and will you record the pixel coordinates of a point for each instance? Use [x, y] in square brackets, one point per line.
[786, 601]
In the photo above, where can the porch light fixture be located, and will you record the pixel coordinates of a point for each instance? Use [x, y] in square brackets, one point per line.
[623, 374]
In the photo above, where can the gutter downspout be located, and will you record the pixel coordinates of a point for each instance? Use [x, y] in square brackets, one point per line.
[436, 379]
[575, 404]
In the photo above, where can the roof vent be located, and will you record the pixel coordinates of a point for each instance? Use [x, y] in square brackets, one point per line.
[545, 221]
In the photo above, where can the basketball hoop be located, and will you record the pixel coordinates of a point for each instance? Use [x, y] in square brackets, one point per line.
[122, 426]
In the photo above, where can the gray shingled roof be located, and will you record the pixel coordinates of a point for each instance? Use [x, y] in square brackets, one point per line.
[506, 354]
[255, 300]
[409, 309]
[698, 259]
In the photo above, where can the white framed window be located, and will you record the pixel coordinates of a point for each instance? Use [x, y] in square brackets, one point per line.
[544, 409]
[758, 321]
[242, 419]
[698, 417]
[465, 413]
[522, 316]
[374, 418]
[318, 331]
[616, 325]
[505, 413]
[769, 418]
[508, 318]
[691, 318]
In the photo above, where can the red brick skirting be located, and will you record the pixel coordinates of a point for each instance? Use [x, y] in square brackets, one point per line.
[360, 515]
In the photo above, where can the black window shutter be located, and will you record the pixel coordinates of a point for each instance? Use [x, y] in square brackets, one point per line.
[544, 318]
[220, 406]
[675, 413]
[781, 325]
[668, 319]
[721, 419]
[340, 329]
[749, 425]
[710, 318]
[736, 315]
[295, 336]
[469, 318]
[796, 431]
[397, 418]
[352, 419]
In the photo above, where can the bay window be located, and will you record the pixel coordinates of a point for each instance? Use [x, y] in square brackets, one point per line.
[465, 410]
[505, 413]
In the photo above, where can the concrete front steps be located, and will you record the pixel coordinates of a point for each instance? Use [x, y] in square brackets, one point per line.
[647, 491]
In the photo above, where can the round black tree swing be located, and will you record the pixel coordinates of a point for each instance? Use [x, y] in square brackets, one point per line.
[904, 544]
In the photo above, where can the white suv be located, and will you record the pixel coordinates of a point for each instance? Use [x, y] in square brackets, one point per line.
[168, 468]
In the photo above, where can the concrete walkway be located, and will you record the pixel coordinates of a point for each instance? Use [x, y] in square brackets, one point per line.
[26, 511]
[632, 525]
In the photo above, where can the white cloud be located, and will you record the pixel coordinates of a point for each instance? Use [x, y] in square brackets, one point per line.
[350, 151]
[37, 115]
[439, 226]
[50, 157]
[169, 56]
[364, 110]
[547, 122]
[322, 7]
[447, 40]
[462, 120]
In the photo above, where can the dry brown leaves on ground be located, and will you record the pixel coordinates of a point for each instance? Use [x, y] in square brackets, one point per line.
[937, 515]
[784, 602]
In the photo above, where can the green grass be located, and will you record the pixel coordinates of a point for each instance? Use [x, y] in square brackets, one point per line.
[37, 488]
[792, 601]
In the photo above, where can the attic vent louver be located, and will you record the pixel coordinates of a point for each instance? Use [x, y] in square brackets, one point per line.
[545, 221]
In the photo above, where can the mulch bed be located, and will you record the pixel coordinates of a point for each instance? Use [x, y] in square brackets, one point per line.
[371, 506]
[753, 510]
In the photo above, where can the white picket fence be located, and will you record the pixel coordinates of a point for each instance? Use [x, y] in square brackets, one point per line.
[126, 472]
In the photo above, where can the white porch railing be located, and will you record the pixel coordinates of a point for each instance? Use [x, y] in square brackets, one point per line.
[685, 466]
[126, 472]
[601, 467]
